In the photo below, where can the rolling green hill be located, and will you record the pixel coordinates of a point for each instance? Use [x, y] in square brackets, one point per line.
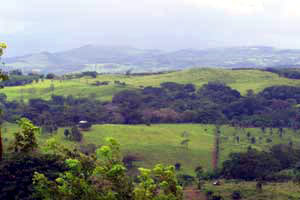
[242, 80]
[161, 143]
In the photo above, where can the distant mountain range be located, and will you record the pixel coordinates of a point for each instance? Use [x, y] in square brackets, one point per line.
[119, 59]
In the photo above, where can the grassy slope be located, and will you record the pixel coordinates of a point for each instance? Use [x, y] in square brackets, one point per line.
[229, 143]
[153, 144]
[241, 80]
[161, 143]
[275, 191]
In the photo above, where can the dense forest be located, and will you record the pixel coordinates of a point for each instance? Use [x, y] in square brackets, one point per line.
[215, 102]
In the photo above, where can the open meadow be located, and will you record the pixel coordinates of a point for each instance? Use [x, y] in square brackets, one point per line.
[162, 143]
[242, 80]
[248, 190]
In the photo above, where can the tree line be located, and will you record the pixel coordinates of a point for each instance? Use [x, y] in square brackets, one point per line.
[213, 103]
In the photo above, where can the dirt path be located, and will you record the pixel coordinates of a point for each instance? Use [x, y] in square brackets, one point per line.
[191, 193]
[216, 150]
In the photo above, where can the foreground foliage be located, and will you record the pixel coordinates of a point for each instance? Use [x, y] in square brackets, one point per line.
[106, 178]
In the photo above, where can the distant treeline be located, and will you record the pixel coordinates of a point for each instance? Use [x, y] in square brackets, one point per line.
[215, 102]
[292, 73]
[17, 78]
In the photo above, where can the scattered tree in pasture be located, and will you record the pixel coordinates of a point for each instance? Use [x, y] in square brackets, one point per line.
[269, 140]
[281, 132]
[248, 134]
[237, 138]
[185, 143]
[76, 135]
[66, 133]
[200, 176]
[260, 139]
[128, 72]
[271, 131]
[177, 166]
[52, 88]
[259, 185]
[253, 140]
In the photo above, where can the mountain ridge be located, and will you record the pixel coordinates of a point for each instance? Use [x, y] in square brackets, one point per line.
[119, 59]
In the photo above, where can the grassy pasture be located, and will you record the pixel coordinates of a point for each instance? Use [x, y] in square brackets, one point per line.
[274, 191]
[152, 144]
[242, 80]
[162, 143]
[229, 143]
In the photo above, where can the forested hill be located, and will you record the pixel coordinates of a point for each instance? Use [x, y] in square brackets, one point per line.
[119, 59]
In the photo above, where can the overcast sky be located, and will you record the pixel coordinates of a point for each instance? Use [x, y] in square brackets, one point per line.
[55, 25]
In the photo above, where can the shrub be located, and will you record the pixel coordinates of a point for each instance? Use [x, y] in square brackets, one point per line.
[236, 195]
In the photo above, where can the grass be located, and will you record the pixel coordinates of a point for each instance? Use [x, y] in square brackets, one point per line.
[162, 143]
[229, 143]
[152, 144]
[274, 191]
[242, 80]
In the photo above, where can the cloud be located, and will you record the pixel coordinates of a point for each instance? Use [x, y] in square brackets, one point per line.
[35, 25]
[235, 7]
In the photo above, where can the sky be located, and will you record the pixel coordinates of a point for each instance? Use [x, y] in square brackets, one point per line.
[55, 25]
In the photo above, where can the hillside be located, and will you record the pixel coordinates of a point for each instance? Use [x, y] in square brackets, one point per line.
[242, 80]
[119, 59]
[161, 143]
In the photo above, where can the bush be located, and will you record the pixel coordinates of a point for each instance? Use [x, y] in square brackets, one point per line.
[16, 174]
[76, 134]
[236, 195]
[177, 166]
[185, 179]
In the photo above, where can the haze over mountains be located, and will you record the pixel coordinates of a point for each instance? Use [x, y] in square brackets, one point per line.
[119, 59]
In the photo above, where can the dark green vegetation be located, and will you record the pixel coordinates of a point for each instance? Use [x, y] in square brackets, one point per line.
[292, 73]
[214, 103]
[215, 129]
[240, 190]
[16, 78]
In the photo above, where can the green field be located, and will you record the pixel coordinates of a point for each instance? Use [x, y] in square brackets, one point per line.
[162, 143]
[229, 143]
[274, 191]
[242, 80]
[152, 144]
